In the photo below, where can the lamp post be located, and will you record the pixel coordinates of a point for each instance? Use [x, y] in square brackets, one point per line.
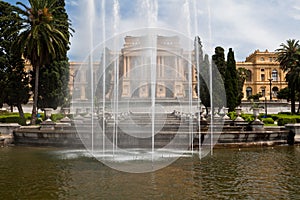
[270, 79]
[266, 108]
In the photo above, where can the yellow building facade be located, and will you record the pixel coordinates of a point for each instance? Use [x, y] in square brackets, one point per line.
[264, 75]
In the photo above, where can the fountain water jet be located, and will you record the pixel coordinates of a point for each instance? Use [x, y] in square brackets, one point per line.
[156, 65]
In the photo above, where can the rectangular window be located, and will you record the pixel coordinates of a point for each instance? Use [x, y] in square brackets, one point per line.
[262, 77]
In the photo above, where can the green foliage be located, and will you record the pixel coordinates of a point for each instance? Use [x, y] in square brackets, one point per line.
[275, 117]
[232, 115]
[202, 67]
[288, 56]
[12, 118]
[231, 82]
[247, 117]
[284, 93]
[282, 121]
[219, 60]
[43, 36]
[218, 78]
[255, 97]
[268, 121]
[57, 117]
[53, 85]
[13, 77]
[204, 82]
[285, 113]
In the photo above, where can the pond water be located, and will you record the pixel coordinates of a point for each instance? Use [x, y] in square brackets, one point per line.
[51, 173]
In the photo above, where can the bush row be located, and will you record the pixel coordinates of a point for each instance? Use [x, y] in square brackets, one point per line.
[15, 118]
[281, 118]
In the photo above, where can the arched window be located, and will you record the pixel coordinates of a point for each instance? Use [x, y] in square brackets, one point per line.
[275, 91]
[248, 91]
[275, 75]
[248, 76]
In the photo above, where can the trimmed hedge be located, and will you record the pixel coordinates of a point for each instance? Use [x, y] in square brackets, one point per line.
[268, 121]
[247, 117]
[56, 117]
[13, 119]
[282, 121]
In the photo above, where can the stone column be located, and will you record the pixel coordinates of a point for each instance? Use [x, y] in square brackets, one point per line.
[125, 66]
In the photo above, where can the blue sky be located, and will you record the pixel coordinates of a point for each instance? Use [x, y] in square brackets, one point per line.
[244, 25]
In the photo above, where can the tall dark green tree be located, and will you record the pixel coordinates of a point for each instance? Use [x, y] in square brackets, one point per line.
[14, 80]
[202, 67]
[204, 83]
[289, 57]
[231, 82]
[218, 77]
[219, 60]
[42, 37]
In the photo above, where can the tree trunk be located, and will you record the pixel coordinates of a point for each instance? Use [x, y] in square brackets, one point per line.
[35, 96]
[21, 112]
[298, 102]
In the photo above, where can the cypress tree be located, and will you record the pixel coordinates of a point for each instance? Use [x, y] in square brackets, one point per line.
[218, 76]
[231, 82]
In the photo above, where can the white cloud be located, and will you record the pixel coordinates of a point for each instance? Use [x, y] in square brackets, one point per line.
[243, 25]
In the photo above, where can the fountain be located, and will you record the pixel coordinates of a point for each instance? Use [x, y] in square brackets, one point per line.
[136, 79]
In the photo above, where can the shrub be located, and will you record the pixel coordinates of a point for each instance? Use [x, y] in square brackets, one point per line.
[247, 117]
[285, 120]
[268, 121]
[232, 115]
[275, 117]
[12, 119]
[56, 117]
[285, 113]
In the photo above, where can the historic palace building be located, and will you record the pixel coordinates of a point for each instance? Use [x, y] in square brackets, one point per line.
[264, 75]
[173, 71]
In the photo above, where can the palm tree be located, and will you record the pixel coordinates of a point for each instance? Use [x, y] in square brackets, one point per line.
[42, 37]
[288, 56]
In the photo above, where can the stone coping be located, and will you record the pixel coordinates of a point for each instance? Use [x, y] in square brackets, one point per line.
[9, 125]
[292, 125]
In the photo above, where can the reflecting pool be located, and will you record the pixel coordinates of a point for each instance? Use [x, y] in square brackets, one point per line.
[51, 173]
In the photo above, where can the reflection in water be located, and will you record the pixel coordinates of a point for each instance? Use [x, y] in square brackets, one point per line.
[47, 173]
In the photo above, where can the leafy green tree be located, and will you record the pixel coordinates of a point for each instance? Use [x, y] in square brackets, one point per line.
[53, 85]
[284, 93]
[42, 37]
[14, 80]
[289, 57]
[231, 82]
